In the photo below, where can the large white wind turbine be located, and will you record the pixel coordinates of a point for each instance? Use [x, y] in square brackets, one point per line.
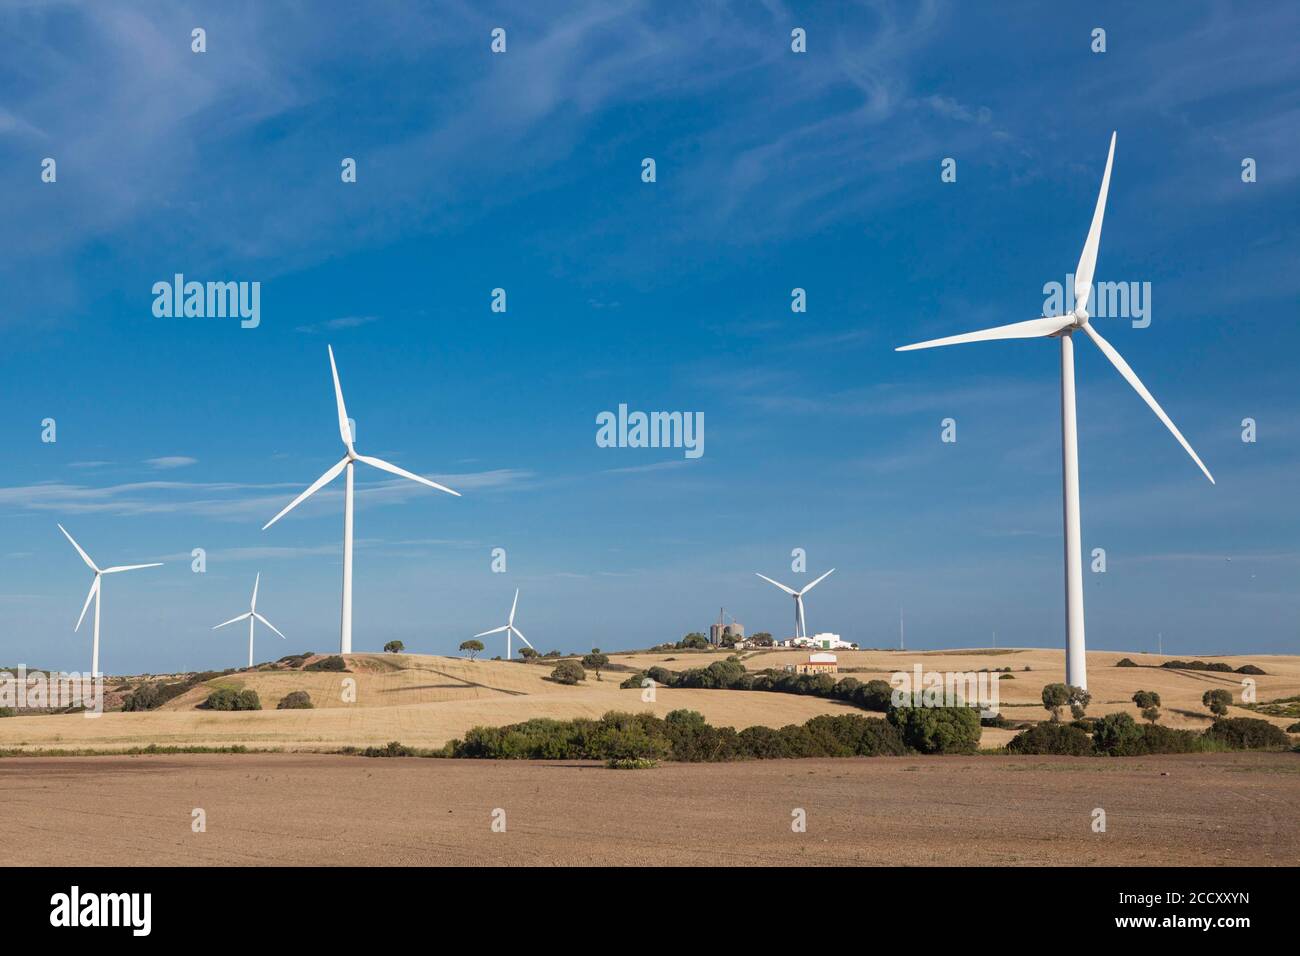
[509, 629]
[252, 617]
[346, 465]
[1063, 327]
[96, 592]
[799, 629]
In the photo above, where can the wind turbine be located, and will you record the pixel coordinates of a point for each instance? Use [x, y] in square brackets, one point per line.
[1063, 327]
[509, 628]
[799, 630]
[96, 592]
[346, 464]
[252, 617]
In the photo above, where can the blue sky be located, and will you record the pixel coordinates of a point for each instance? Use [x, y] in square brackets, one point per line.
[522, 171]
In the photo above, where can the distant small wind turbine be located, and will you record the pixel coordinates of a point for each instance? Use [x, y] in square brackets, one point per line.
[96, 592]
[799, 629]
[509, 628]
[345, 432]
[252, 617]
[1063, 327]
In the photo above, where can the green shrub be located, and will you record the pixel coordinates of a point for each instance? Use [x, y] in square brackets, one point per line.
[295, 700]
[938, 730]
[1051, 738]
[226, 699]
[874, 695]
[633, 681]
[1125, 662]
[1249, 669]
[144, 697]
[248, 700]
[8, 712]
[568, 672]
[1117, 735]
[391, 749]
[332, 663]
[631, 763]
[394, 647]
[1294, 728]
[1248, 733]
[222, 699]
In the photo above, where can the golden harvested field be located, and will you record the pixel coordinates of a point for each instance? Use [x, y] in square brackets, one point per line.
[326, 810]
[423, 701]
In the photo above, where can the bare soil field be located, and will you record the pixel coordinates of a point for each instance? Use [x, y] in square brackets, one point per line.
[320, 810]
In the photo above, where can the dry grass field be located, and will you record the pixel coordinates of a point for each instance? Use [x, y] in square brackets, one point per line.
[424, 701]
[325, 810]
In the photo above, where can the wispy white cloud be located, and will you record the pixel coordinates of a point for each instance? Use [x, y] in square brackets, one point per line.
[168, 462]
[233, 501]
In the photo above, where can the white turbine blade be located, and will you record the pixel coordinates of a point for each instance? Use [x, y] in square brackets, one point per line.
[808, 587]
[235, 620]
[777, 583]
[520, 634]
[84, 557]
[513, 606]
[252, 605]
[267, 623]
[131, 567]
[389, 467]
[316, 486]
[1033, 329]
[1130, 376]
[94, 587]
[1088, 258]
[344, 431]
[495, 630]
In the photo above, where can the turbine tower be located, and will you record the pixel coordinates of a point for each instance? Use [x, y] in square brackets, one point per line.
[1064, 327]
[346, 464]
[252, 617]
[509, 628]
[799, 629]
[96, 592]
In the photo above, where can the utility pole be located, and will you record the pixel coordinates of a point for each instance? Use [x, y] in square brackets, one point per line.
[1160, 644]
[900, 628]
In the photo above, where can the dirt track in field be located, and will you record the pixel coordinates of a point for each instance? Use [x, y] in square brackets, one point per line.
[316, 810]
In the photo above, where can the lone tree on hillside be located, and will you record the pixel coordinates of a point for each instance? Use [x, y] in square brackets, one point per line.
[394, 647]
[1055, 697]
[1217, 700]
[528, 654]
[595, 661]
[1149, 703]
[472, 647]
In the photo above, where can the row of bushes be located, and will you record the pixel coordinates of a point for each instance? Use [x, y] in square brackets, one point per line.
[685, 736]
[1119, 735]
[1219, 667]
[730, 674]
